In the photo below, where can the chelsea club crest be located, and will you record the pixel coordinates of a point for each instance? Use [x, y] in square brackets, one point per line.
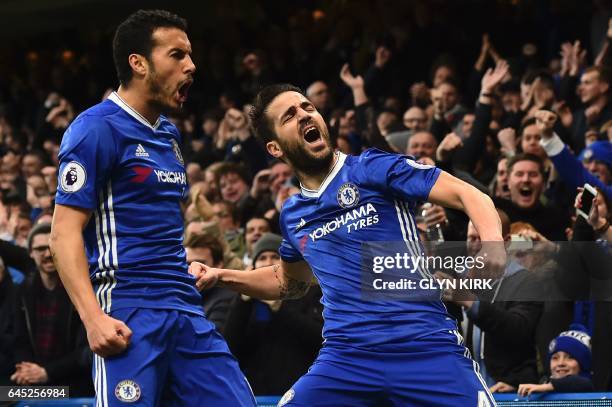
[177, 151]
[348, 195]
[127, 391]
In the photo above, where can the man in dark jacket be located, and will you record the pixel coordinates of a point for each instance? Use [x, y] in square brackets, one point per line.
[50, 346]
[505, 338]
[7, 337]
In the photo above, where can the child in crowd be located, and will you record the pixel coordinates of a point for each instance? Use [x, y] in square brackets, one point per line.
[570, 364]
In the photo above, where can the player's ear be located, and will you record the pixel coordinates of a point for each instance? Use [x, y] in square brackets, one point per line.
[274, 149]
[139, 64]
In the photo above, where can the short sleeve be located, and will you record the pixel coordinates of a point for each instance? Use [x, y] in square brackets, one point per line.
[86, 157]
[287, 251]
[399, 174]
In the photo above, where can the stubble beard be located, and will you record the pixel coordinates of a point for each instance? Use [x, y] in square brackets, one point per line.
[306, 163]
[157, 95]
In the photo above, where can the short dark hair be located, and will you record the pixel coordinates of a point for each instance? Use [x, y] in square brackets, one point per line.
[231, 168]
[452, 82]
[602, 71]
[40, 229]
[262, 127]
[207, 241]
[545, 78]
[529, 122]
[525, 157]
[135, 36]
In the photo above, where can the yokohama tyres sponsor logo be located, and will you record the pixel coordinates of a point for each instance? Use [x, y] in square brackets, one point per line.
[171, 177]
[348, 218]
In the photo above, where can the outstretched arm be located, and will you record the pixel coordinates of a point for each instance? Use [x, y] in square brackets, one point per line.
[281, 281]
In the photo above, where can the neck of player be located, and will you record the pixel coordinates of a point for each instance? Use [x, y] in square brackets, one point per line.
[313, 180]
[134, 98]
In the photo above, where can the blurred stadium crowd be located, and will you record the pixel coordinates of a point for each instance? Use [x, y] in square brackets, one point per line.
[468, 106]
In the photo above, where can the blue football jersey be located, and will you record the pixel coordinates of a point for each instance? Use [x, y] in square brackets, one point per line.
[365, 198]
[132, 177]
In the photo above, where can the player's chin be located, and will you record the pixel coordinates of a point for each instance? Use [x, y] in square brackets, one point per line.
[175, 104]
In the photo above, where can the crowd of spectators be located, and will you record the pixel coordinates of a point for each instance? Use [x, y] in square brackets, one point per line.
[528, 128]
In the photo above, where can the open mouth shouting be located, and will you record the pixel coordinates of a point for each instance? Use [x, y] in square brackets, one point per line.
[183, 90]
[312, 135]
[526, 195]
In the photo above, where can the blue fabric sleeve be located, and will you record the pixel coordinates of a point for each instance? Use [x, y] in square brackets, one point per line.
[574, 174]
[399, 174]
[287, 251]
[87, 155]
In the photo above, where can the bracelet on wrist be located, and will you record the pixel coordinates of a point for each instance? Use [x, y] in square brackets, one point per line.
[486, 95]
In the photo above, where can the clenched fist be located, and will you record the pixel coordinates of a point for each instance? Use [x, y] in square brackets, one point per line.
[545, 121]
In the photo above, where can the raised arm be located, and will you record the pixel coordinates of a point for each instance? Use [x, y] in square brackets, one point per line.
[283, 281]
[106, 336]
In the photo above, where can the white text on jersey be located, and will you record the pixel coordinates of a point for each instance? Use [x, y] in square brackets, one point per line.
[354, 219]
[171, 177]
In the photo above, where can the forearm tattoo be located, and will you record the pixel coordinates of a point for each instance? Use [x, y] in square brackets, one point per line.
[288, 287]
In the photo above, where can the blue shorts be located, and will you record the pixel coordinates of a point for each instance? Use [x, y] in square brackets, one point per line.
[174, 359]
[432, 371]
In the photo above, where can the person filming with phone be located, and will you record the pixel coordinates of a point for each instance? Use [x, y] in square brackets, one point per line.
[593, 207]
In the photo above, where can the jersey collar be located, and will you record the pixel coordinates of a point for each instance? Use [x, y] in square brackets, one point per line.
[129, 110]
[311, 193]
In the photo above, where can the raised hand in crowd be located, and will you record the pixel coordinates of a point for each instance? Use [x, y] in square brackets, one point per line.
[459, 296]
[528, 100]
[261, 183]
[356, 83]
[451, 142]
[201, 203]
[283, 194]
[545, 122]
[564, 112]
[484, 52]
[491, 79]
[601, 56]
[507, 140]
[434, 215]
[349, 79]
[49, 173]
[234, 126]
[573, 58]
[592, 112]
[566, 56]
[383, 55]
[61, 112]
[598, 216]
